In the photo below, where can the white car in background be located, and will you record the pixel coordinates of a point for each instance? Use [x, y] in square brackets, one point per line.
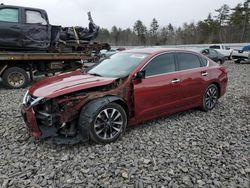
[241, 55]
[224, 50]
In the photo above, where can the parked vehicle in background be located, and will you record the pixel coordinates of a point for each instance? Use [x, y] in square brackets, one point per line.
[128, 88]
[241, 55]
[214, 55]
[108, 53]
[226, 51]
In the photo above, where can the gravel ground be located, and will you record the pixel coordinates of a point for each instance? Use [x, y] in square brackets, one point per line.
[188, 149]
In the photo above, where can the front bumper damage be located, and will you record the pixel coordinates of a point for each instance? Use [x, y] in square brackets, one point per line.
[46, 133]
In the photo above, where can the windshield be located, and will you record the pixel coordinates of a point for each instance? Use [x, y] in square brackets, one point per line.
[117, 66]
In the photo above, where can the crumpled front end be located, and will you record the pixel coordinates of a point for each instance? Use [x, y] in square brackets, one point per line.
[47, 120]
[57, 118]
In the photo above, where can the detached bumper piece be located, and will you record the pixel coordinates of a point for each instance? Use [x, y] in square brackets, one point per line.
[30, 120]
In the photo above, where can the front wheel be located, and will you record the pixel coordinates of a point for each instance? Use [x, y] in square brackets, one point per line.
[107, 123]
[210, 97]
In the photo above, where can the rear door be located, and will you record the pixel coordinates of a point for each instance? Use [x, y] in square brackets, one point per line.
[194, 77]
[36, 31]
[159, 93]
[10, 28]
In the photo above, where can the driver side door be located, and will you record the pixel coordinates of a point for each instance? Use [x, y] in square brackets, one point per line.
[36, 31]
[159, 93]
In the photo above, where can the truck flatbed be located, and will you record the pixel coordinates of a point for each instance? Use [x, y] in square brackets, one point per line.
[13, 56]
[18, 68]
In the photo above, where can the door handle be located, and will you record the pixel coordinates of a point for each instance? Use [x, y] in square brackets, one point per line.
[174, 81]
[204, 74]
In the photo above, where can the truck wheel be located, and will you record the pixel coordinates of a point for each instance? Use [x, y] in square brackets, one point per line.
[15, 78]
[106, 124]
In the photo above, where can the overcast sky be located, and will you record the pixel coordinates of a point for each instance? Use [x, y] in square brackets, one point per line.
[124, 13]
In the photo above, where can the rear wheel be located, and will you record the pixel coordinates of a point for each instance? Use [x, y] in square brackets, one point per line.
[210, 97]
[15, 78]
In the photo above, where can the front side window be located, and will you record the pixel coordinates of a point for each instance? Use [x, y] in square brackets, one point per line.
[188, 61]
[160, 65]
[34, 17]
[9, 15]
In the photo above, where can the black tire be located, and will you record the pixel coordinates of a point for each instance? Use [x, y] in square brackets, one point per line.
[238, 61]
[210, 98]
[100, 125]
[15, 78]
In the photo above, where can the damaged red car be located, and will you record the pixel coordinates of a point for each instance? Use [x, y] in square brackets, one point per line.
[128, 88]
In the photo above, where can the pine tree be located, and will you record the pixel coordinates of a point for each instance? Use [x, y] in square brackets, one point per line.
[141, 31]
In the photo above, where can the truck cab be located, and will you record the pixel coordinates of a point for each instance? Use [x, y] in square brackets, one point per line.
[24, 28]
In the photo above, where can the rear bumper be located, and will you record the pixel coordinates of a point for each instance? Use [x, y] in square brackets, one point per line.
[30, 121]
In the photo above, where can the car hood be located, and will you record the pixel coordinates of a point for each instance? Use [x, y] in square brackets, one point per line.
[67, 83]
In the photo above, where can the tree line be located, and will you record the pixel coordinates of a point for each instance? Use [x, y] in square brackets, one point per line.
[227, 25]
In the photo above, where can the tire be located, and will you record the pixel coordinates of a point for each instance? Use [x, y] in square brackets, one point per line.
[238, 61]
[210, 98]
[15, 78]
[107, 123]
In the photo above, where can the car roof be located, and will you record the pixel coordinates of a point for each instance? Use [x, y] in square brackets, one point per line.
[13, 6]
[155, 50]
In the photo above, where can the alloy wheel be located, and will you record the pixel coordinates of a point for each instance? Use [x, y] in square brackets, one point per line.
[211, 97]
[108, 123]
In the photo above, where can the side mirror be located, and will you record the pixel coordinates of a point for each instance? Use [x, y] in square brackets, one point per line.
[140, 75]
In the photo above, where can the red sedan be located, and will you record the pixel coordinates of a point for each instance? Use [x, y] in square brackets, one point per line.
[128, 88]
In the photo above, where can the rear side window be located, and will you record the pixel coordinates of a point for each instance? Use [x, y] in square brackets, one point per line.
[9, 15]
[204, 61]
[160, 65]
[188, 61]
[34, 17]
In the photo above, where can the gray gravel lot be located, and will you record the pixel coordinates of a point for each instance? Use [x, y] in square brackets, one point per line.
[188, 149]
